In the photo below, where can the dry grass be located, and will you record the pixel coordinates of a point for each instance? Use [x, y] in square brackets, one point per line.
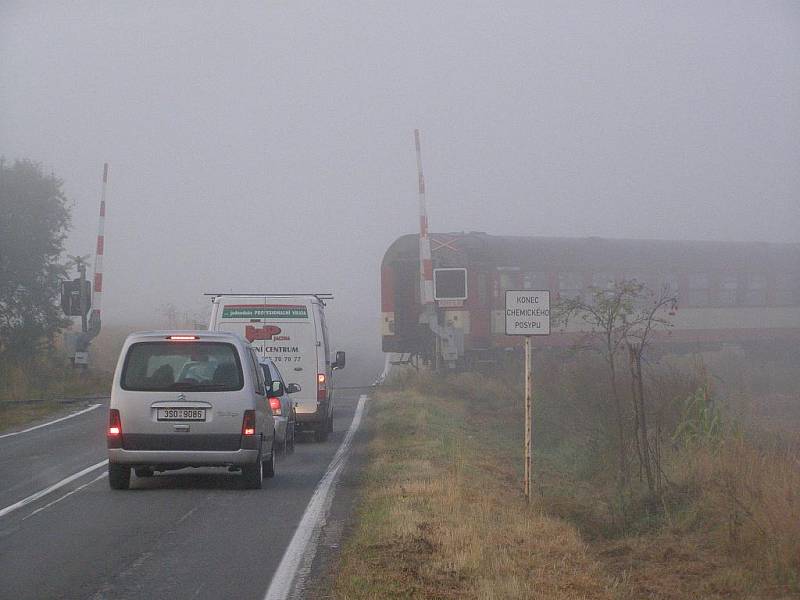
[50, 375]
[15, 414]
[747, 501]
[47, 381]
[442, 517]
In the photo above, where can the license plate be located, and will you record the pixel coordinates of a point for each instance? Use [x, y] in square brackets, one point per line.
[181, 414]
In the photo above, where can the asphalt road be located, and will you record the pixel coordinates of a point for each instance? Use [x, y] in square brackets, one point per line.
[195, 533]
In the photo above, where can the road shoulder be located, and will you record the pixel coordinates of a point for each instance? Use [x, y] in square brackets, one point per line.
[17, 416]
[342, 518]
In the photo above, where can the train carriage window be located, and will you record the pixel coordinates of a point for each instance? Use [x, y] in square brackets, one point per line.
[755, 293]
[483, 288]
[668, 281]
[603, 280]
[570, 285]
[508, 280]
[728, 286]
[787, 289]
[699, 290]
[536, 280]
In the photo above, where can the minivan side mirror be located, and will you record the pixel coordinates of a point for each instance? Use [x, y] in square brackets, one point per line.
[277, 388]
[340, 360]
[292, 388]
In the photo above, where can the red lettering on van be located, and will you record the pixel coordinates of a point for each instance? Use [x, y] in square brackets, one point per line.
[261, 333]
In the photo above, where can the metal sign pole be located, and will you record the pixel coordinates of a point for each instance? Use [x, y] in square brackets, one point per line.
[82, 296]
[528, 314]
[528, 416]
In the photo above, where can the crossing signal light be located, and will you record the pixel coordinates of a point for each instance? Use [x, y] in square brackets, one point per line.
[71, 297]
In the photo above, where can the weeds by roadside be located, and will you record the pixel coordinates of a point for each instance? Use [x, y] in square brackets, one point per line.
[442, 514]
[15, 415]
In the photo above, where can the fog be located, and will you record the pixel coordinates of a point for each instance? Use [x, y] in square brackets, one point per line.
[269, 146]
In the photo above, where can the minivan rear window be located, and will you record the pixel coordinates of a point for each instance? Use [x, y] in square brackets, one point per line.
[182, 366]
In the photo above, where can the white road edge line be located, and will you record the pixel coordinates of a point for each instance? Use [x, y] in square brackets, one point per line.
[75, 414]
[57, 500]
[52, 488]
[303, 547]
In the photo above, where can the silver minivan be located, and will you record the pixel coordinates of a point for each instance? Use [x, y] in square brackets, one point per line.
[189, 399]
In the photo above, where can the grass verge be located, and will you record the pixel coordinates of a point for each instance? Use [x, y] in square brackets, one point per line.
[23, 408]
[15, 415]
[442, 515]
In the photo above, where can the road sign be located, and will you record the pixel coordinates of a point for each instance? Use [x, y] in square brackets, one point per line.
[527, 312]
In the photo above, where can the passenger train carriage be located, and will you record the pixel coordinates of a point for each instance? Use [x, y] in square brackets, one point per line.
[728, 292]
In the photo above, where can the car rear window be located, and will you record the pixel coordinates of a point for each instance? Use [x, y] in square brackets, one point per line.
[184, 366]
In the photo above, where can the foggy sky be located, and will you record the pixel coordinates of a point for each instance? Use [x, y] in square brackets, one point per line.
[269, 146]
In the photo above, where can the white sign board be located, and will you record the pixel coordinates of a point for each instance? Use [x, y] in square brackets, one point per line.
[527, 312]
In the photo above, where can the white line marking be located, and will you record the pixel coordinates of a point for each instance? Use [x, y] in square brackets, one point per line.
[57, 500]
[186, 516]
[75, 414]
[301, 550]
[52, 488]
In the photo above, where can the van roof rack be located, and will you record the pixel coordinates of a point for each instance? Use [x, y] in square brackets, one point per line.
[318, 296]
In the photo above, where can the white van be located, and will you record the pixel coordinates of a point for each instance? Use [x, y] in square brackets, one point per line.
[290, 330]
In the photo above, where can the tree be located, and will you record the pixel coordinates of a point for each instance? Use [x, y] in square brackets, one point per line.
[649, 315]
[606, 316]
[624, 316]
[34, 219]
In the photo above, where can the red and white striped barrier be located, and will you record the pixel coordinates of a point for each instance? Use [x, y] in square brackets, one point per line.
[425, 262]
[97, 301]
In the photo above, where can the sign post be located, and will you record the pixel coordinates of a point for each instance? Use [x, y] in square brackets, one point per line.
[528, 314]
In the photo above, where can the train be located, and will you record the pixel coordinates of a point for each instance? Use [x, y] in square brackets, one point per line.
[735, 293]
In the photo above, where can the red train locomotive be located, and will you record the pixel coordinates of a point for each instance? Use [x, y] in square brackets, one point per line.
[729, 292]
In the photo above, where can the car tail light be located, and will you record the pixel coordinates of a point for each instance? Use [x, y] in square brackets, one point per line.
[322, 387]
[182, 338]
[114, 433]
[114, 422]
[275, 405]
[249, 423]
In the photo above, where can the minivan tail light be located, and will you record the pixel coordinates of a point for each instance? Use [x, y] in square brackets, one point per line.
[275, 405]
[322, 387]
[249, 423]
[114, 433]
[114, 422]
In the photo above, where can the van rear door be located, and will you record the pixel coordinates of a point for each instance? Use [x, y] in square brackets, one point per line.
[285, 333]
